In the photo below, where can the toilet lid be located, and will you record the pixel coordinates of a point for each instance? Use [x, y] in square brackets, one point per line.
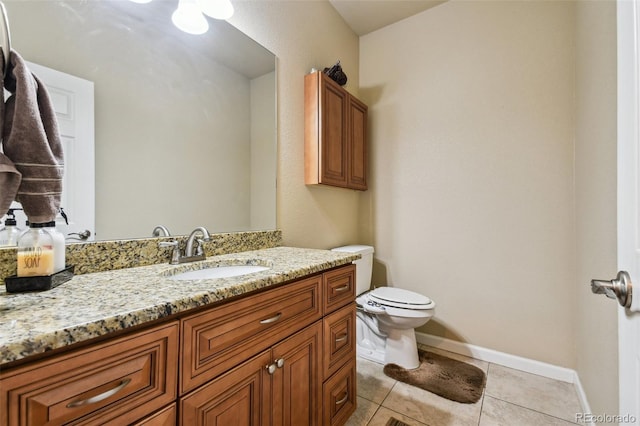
[400, 298]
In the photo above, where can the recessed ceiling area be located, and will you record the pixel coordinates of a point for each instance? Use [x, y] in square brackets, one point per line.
[365, 16]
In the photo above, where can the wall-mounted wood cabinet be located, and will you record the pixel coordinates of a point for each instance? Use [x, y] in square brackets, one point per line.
[335, 134]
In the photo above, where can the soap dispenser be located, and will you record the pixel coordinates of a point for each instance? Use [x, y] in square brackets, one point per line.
[35, 252]
[10, 233]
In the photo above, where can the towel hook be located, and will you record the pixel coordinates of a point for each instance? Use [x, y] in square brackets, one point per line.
[5, 36]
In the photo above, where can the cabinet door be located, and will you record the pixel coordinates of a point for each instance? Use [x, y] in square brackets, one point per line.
[297, 382]
[240, 397]
[357, 145]
[333, 113]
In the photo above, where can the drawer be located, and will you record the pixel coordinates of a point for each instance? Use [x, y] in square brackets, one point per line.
[339, 339]
[339, 288]
[339, 395]
[116, 382]
[215, 341]
[165, 417]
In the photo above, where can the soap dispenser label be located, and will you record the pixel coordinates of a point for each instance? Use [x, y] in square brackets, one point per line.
[34, 261]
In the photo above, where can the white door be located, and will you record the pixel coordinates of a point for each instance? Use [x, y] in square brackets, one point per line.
[73, 102]
[629, 204]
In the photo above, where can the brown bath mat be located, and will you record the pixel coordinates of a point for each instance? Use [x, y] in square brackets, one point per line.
[451, 379]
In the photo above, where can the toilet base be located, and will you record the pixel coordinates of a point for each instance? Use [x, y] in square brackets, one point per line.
[380, 343]
[370, 354]
[401, 348]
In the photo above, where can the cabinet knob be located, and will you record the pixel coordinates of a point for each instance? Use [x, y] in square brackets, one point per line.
[280, 362]
[271, 368]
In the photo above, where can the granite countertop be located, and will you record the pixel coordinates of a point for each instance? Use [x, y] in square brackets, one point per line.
[96, 304]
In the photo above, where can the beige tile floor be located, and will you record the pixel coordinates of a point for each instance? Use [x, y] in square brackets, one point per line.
[511, 397]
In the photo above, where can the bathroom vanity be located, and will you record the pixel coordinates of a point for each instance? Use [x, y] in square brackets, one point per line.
[135, 346]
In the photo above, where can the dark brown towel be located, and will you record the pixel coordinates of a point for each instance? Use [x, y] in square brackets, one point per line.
[32, 142]
[9, 176]
[9, 183]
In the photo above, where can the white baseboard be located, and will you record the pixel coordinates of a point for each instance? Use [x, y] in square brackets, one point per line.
[512, 361]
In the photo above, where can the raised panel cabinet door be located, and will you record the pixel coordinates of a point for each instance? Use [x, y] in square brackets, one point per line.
[357, 145]
[240, 397]
[334, 132]
[297, 383]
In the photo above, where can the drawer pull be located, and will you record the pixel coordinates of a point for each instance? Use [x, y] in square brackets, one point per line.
[342, 338]
[274, 318]
[341, 401]
[341, 289]
[100, 397]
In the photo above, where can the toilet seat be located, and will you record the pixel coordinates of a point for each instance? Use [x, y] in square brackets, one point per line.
[400, 298]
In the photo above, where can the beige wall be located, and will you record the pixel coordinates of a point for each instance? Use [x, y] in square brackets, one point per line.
[595, 167]
[263, 155]
[304, 34]
[472, 130]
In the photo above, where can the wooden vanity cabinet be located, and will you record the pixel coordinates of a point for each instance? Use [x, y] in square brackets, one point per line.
[297, 369]
[335, 134]
[284, 356]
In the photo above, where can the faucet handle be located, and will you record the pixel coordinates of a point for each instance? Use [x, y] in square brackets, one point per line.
[175, 254]
[199, 249]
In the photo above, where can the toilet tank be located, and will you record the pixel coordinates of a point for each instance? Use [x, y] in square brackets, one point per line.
[364, 266]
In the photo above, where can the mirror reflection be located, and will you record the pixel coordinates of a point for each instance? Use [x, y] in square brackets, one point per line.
[184, 124]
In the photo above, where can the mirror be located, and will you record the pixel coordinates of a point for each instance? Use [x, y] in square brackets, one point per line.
[184, 125]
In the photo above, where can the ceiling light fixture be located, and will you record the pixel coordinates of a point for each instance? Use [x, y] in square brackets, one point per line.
[218, 9]
[189, 18]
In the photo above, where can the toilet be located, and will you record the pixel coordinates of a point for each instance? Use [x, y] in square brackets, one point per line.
[386, 317]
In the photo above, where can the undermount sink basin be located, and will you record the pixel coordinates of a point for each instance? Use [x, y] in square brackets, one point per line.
[221, 271]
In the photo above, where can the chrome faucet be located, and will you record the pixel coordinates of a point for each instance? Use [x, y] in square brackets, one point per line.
[188, 251]
[189, 255]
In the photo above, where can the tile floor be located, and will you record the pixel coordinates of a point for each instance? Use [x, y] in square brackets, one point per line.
[511, 397]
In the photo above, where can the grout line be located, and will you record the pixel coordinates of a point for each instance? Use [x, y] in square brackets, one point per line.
[531, 409]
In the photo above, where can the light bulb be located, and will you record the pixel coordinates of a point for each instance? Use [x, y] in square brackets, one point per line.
[218, 9]
[189, 19]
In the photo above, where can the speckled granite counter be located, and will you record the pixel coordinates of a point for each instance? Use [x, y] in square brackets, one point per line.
[96, 304]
